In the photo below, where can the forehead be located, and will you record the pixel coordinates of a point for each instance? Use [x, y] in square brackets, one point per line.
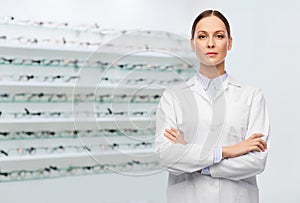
[210, 24]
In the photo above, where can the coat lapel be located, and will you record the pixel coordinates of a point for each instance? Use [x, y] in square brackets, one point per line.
[195, 86]
[197, 89]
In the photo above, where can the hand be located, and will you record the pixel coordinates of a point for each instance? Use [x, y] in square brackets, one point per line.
[174, 136]
[253, 143]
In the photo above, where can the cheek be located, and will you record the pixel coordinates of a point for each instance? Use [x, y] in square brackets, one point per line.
[200, 46]
[201, 53]
[223, 46]
[200, 49]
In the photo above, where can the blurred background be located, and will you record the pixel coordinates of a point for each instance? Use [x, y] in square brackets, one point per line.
[265, 54]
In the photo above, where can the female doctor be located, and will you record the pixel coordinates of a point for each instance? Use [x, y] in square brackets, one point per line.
[212, 131]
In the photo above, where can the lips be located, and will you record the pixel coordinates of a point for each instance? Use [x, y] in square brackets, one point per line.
[211, 53]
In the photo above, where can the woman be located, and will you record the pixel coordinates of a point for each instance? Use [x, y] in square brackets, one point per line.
[212, 131]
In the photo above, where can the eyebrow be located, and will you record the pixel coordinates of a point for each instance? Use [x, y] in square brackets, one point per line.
[215, 31]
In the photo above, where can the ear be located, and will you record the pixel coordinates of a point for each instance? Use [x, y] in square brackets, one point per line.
[192, 43]
[229, 44]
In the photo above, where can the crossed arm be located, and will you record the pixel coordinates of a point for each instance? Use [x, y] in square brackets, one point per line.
[253, 143]
[239, 161]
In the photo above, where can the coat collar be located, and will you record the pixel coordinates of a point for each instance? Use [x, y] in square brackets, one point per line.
[195, 86]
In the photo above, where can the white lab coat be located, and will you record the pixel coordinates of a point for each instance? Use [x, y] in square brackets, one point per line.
[237, 112]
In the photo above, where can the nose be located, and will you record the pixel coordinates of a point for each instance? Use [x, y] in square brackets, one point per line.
[211, 43]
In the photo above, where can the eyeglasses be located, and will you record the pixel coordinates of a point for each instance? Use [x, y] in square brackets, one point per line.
[138, 81]
[43, 62]
[21, 151]
[40, 78]
[83, 114]
[13, 20]
[36, 97]
[55, 171]
[158, 67]
[44, 134]
[94, 28]
[75, 63]
[54, 42]
[74, 78]
[90, 97]
[64, 42]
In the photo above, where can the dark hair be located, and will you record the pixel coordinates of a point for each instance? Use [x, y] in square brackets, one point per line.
[208, 13]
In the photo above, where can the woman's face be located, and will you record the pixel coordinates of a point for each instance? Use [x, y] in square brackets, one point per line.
[211, 41]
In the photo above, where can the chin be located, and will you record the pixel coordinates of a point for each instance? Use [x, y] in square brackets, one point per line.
[211, 62]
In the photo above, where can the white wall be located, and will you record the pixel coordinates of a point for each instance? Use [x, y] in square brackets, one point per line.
[265, 53]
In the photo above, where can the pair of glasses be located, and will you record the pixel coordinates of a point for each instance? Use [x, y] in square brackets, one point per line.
[111, 98]
[137, 98]
[40, 78]
[94, 28]
[73, 78]
[75, 63]
[91, 97]
[130, 114]
[43, 62]
[34, 150]
[21, 151]
[13, 20]
[29, 114]
[54, 42]
[137, 81]
[152, 67]
[83, 114]
[64, 42]
[42, 134]
[56, 171]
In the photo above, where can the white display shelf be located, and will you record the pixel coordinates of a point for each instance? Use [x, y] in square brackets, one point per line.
[59, 88]
[71, 120]
[97, 53]
[56, 26]
[134, 48]
[79, 140]
[136, 163]
[117, 153]
[101, 53]
[63, 124]
[84, 158]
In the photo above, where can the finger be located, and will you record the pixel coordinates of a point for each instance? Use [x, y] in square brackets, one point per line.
[264, 143]
[256, 135]
[170, 135]
[252, 137]
[171, 138]
[171, 132]
[261, 146]
[174, 130]
[166, 129]
[255, 148]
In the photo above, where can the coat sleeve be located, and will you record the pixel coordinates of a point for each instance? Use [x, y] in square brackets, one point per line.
[176, 158]
[251, 163]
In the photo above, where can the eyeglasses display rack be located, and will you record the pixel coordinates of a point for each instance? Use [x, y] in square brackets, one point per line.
[79, 100]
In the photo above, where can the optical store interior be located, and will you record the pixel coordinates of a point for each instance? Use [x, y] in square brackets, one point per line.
[80, 82]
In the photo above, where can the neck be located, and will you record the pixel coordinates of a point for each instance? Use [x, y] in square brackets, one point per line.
[212, 71]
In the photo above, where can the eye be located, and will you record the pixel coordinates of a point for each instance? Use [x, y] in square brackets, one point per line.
[219, 36]
[201, 36]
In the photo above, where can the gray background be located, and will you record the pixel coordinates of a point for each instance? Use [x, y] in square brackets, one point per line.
[265, 54]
